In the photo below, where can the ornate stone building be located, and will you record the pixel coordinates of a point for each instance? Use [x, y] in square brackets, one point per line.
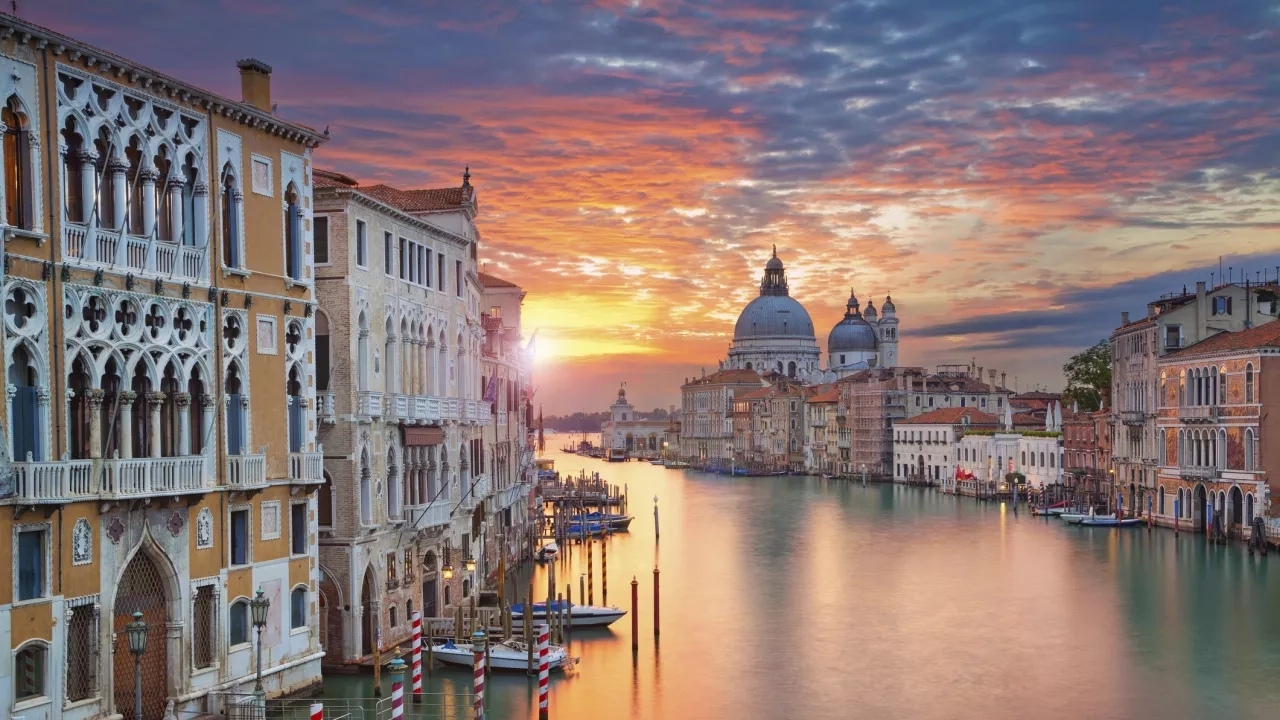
[160, 397]
[402, 416]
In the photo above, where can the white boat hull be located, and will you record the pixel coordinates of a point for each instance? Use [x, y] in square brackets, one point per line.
[582, 616]
[501, 657]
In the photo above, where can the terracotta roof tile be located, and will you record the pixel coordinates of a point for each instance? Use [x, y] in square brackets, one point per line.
[330, 179]
[829, 396]
[951, 416]
[760, 394]
[726, 376]
[493, 281]
[1267, 335]
[428, 200]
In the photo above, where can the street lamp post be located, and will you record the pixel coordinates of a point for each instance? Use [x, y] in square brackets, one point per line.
[259, 606]
[137, 633]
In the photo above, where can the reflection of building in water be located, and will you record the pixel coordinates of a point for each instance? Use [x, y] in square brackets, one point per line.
[626, 430]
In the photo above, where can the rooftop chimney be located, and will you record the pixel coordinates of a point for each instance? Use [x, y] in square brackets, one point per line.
[1124, 319]
[255, 83]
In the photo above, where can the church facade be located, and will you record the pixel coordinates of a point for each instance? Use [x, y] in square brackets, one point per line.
[774, 333]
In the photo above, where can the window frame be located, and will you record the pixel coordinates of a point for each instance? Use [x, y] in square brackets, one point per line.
[293, 529]
[362, 244]
[294, 625]
[46, 570]
[388, 254]
[247, 642]
[44, 696]
[248, 532]
[315, 242]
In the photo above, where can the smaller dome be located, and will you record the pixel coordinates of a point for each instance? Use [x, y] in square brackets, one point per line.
[774, 263]
[852, 305]
[870, 312]
[852, 334]
[622, 392]
[888, 307]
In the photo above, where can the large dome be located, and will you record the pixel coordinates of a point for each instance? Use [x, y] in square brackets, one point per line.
[852, 334]
[773, 316]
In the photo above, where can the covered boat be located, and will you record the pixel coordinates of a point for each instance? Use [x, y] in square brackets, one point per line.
[507, 655]
[548, 551]
[582, 615]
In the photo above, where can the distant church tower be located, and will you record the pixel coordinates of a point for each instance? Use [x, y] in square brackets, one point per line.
[621, 410]
[888, 329]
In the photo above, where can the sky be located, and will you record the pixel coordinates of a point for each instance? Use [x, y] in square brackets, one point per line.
[1015, 174]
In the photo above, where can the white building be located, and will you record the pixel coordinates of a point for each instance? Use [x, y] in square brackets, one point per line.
[626, 430]
[990, 455]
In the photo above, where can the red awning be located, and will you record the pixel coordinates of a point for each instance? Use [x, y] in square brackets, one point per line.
[416, 436]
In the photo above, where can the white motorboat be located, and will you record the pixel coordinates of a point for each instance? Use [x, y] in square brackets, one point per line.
[580, 615]
[508, 655]
[548, 552]
[1089, 518]
[1110, 521]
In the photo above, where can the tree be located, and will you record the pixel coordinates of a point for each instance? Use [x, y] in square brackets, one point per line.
[1088, 373]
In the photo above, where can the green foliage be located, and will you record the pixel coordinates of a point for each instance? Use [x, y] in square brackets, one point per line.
[1087, 373]
[1015, 477]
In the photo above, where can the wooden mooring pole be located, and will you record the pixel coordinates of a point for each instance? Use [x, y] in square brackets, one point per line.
[656, 603]
[635, 616]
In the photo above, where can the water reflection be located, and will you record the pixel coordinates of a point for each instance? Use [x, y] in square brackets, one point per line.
[792, 597]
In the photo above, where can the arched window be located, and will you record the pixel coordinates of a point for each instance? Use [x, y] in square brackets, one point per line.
[1041, 459]
[30, 671]
[231, 198]
[324, 503]
[322, 352]
[366, 489]
[166, 188]
[393, 486]
[1213, 386]
[748, 365]
[1221, 448]
[17, 167]
[389, 374]
[239, 622]
[1248, 509]
[1248, 383]
[199, 434]
[24, 407]
[133, 218]
[1250, 461]
[1182, 388]
[186, 215]
[296, 411]
[298, 608]
[73, 176]
[1160, 500]
[393, 616]
[170, 415]
[362, 352]
[236, 436]
[293, 233]
[791, 369]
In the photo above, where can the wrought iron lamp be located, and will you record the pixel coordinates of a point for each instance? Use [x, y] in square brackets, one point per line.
[137, 634]
[259, 606]
[446, 570]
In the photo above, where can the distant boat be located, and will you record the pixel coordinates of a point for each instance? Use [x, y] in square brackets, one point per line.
[616, 455]
[655, 461]
[577, 529]
[676, 465]
[1108, 521]
[582, 615]
[548, 552]
[613, 521]
[508, 655]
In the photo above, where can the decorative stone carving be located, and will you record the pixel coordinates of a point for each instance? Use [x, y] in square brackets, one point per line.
[204, 529]
[81, 543]
[115, 529]
[176, 523]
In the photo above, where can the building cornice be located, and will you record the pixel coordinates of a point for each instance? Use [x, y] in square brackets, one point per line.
[353, 194]
[110, 65]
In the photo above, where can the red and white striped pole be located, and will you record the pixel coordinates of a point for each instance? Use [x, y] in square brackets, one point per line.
[317, 711]
[543, 673]
[477, 653]
[416, 675]
[397, 689]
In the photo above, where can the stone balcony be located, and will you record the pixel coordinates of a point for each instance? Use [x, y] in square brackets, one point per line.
[512, 495]
[475, 490]
[368, 405]
[1199, 473]
[424, 409]
[246, 472]
[91, 245]
[63, 481]
[1198, 414]
[307, 467]
[327, 409]
[429, 515]
[1132, 417]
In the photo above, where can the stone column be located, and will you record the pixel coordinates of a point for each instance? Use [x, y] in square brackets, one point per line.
[95, 423]
[183, 402]
[147, 176]
[118, 170]
[175, 208]
[154, 401]
[126, 422]
[88, 171]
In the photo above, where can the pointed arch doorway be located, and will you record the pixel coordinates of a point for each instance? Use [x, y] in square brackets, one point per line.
[143, 588]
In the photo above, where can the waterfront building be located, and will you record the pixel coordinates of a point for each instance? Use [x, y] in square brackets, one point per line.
[161, 405]
[822, 453]
[627, 430]
[1035, 403]
[768, 426]
[399, 347]
[1086, 449]
[774, 333]
[508, 441]
[986, 458]
[1172, 322]
[926, 447]
[706, 415]
[1212, 415]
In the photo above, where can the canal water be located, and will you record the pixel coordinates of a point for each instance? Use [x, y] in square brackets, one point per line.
[796, 597]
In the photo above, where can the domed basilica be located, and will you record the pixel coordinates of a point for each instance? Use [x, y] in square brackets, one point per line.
[774, 332]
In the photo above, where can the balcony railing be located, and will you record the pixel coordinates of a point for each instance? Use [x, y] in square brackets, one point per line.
[328, 408]
[133, 253]
[511, 495]
[475, 489]
[1133, 417]
[1198, 413]
[142, 477]
[1199, 473]
[431, 515]
[368, 404]
[397, 406]
[53, 482]
[246, 471]
[306, 467]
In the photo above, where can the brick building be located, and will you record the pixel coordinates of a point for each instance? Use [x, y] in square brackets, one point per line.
[1213, 425]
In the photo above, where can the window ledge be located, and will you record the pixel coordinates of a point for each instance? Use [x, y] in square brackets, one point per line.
[300, 630]
[11, 232]
[229, 271]
[240, 647]
[35, 702]
[33, 601]
[197, 672]
[81, 703]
